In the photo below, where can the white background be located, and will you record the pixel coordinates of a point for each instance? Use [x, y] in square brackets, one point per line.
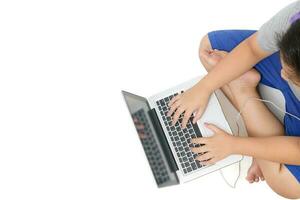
[65, 132]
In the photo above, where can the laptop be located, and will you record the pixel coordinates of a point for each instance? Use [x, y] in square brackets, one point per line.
[167, 147]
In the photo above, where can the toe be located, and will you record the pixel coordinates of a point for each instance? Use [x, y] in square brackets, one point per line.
[250, 177]
[260, 174]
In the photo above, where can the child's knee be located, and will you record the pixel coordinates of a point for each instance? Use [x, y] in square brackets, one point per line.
[275, 174]
[204, 45]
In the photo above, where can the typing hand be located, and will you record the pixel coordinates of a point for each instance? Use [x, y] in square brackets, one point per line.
[214, 148]
[192, 100]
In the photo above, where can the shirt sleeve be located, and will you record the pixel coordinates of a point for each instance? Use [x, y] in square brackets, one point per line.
[269, 32]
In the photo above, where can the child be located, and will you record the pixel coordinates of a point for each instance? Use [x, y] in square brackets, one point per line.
[274, 51]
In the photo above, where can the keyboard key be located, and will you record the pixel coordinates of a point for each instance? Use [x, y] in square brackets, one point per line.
[198, 164]
[194, 166]
[189, 125]
[180, 120]
[178, 135]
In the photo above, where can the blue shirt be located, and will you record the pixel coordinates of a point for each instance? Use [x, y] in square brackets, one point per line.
[270, 70]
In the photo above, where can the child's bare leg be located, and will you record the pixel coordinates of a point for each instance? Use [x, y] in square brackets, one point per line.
[260, 122]
[256, 115]
[205, 51]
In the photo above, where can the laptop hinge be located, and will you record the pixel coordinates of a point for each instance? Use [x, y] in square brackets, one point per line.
[163, 140]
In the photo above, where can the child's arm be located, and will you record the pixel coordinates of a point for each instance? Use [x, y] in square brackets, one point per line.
[240, 60]
[281, 149]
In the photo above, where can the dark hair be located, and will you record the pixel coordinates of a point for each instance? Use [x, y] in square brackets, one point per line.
[289, 45]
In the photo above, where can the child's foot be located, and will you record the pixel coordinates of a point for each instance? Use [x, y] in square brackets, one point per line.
[254, 173]
[245, 83]
[249, 80]
[244, 87]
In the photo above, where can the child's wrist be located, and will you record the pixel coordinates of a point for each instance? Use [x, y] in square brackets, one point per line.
[205, 85]
[236, 144]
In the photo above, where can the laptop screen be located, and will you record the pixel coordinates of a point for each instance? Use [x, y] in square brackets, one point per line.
[138, 108]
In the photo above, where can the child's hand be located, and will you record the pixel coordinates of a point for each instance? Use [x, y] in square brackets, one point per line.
[215, 148]
[192, 100]
[196, 98]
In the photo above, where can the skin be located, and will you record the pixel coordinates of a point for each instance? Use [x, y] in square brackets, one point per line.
[233, 73]
[240, 60]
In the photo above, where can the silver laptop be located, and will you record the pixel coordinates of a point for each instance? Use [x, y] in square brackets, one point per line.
[167, 147]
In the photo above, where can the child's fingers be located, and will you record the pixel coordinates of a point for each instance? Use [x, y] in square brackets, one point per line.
[177, 115]
[186, 117]
[173, 100]
[198, 115]
[173, 107]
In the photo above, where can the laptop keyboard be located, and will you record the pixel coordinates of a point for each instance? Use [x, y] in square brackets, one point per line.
[180, 137]
[151, 149]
